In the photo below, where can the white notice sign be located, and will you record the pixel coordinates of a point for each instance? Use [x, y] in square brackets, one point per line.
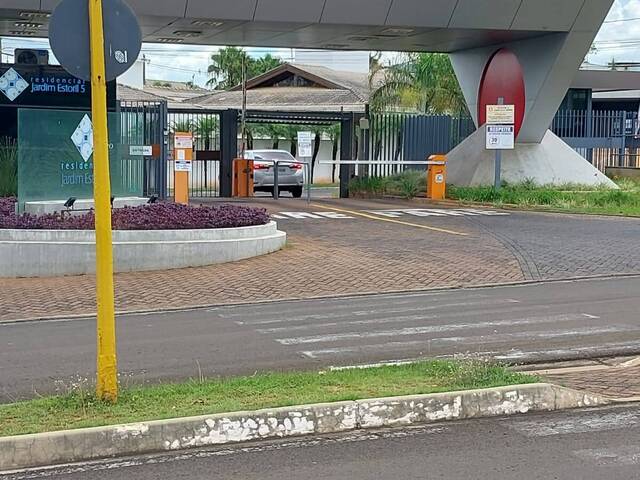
[182, 166]
[305, 149]
[141, 150]
[501, 114]
[500, 137]
[184, 141]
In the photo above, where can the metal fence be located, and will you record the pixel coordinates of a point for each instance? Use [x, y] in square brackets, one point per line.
[401, 137]
[204, 180]
[607, 138]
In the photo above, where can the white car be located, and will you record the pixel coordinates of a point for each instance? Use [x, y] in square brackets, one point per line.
[290, 172]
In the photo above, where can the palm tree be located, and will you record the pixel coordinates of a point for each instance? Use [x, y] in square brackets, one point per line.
[181, 126]
[206, 128]
[263, 65]
[226, 68]
[424, 83]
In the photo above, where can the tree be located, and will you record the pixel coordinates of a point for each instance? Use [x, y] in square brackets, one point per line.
[424, 83]
[205, 129]
[181, 126]
[263, 65]
[226, 68]
[227, 63]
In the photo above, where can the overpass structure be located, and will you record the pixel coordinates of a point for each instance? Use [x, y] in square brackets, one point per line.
[549, 38]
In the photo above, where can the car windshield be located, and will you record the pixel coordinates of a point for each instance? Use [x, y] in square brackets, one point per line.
[273, 156]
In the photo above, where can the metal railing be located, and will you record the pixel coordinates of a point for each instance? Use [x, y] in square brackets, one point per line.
[608, 138]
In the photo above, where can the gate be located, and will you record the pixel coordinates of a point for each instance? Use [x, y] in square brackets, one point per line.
[142, 127]
[204, 179]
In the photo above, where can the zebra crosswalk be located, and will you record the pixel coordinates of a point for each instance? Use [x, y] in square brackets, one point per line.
[395, 213]
[440, 325]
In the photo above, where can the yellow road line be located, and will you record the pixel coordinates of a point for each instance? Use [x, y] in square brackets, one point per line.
[390, 220]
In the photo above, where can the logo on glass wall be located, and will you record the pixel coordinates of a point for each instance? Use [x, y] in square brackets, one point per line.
[12, 84]
[82, 138]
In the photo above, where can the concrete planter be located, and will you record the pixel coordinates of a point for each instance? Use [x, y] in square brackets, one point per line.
[51, 253]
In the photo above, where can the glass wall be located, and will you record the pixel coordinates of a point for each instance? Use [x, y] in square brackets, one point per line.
[55, 157]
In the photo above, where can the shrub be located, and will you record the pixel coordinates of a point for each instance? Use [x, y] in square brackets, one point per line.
[8, 167]
[407, 184]
[159, 216]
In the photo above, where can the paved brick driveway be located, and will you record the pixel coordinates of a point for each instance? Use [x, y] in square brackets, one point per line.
[615, 382]
[360, 254]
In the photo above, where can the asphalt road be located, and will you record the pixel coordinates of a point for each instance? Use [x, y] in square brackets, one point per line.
[541, 322]
[580, 445]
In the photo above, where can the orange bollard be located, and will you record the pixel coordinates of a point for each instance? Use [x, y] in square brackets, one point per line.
[437, 178]
[182, 156]
[242, 178]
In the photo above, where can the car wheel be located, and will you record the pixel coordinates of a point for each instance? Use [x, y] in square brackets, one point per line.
[296, 192]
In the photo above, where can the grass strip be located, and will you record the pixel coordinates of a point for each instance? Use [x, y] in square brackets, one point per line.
[567, 198]
[79, 409]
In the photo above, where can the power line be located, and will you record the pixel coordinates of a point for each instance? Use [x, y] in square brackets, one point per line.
[621, 20]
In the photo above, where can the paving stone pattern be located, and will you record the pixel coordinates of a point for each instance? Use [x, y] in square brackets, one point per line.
[619, 383]
[336, 257]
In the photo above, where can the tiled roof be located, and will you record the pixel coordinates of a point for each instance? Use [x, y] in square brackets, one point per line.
[129, 94]
[286, 99]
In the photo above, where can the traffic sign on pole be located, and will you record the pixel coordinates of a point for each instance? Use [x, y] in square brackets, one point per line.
[69, 37]
[98, 40]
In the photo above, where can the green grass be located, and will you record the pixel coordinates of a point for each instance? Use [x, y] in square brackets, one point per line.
[79, 408]
[566, 198]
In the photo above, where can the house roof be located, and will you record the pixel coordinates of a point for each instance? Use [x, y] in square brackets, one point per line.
[288, 99]
[178, 91]
[130, 94]
[325, 77]
[332, 91]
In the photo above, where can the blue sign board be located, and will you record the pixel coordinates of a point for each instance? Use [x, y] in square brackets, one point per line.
[47, 86]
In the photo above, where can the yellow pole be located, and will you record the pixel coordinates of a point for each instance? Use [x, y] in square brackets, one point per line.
[107, 378]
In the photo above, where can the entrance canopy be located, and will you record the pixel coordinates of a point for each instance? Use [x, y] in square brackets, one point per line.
[548, 39]
[392, 25]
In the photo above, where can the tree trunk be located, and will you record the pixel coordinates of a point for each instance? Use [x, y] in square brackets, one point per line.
[294, 147]
[316, 149]
[334, 155]
[207, 145]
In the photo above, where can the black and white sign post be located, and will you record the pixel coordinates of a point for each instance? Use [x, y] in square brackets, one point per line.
[305, 151]
[500, 134]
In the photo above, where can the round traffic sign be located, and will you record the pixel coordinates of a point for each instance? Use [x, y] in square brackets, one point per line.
[69, 37]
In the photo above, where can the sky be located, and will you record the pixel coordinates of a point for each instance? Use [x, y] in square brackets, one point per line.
[619, 38]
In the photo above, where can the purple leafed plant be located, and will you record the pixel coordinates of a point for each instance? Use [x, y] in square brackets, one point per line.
[158, 216]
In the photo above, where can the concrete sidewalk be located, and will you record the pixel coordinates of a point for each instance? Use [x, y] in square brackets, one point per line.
[618, 380]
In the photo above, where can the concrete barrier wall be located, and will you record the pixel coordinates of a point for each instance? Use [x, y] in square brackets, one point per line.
[51, 253]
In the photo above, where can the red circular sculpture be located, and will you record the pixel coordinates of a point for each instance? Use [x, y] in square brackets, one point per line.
[502, 77]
